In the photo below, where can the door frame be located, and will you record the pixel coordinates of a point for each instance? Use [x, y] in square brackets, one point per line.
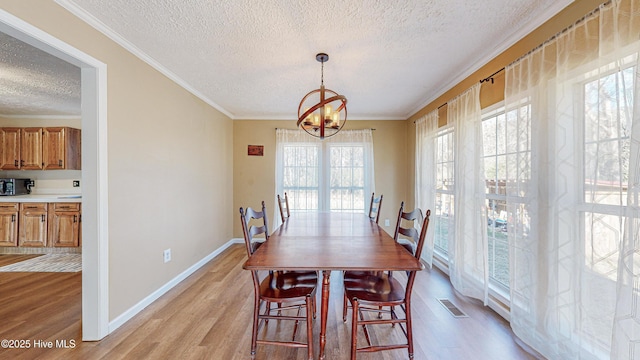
[95, 229]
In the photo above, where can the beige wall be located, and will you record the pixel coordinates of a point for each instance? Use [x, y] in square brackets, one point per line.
[254, 176]
[170, 163]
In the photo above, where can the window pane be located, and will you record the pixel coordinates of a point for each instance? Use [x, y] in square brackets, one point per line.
[301, 176]
[346, 192]
[498, 242]
[443, 220]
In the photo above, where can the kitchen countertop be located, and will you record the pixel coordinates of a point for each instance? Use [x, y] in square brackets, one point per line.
[45, 198]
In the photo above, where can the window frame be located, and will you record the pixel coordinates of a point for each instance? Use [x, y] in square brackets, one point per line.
[324, 169]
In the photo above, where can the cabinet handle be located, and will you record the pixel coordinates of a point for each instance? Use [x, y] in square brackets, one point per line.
[21, 162]
[15, 163]
[59, 162]
[75, 218]
[13, 218]
[42, 217]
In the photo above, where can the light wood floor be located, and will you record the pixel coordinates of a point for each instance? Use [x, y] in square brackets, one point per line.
[208, 316]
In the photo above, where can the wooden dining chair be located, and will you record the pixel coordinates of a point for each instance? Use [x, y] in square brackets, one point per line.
[374, 207]
[290, 290]
[373, 292]
[283, 204]
[401, 229]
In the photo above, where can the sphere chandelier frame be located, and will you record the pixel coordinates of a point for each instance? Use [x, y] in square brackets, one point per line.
[326, 117]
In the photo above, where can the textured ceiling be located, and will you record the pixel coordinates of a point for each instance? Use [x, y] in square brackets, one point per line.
[256, 59]
[33, 82]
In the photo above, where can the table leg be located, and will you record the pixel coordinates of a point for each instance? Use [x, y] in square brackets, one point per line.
[324, 309]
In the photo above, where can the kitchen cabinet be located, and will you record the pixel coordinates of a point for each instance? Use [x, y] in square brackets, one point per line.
[10, 148]
[21, 148]
[61, 148]
[38, 148]
[32, 229]
[64, 224]
[9, 224]
[31, 149]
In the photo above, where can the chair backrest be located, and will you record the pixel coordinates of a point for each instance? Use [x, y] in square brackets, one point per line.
[374, 207]
[405, 227]
[283, 204]
[416, 237]
[250, 231]
[418, 253]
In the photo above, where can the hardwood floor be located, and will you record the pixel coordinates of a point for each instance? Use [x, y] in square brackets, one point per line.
[8, 259]
[208, 316]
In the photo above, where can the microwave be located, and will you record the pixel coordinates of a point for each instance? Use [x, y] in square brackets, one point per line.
[10, 187]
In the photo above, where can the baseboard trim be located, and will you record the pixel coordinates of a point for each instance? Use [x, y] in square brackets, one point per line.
[134, 310]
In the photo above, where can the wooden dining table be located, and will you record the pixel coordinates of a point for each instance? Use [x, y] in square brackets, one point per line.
[327, 241]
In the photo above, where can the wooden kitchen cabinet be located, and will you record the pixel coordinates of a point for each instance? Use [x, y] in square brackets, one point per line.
[10, 148]
[21, 148]
[61, 148]
[31, 149]
[64, 224]
[37, 148]
[32, 231]
[9, 224]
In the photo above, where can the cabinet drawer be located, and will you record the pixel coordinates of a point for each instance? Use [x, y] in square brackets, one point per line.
[11, 207]
[64, 206]
[33, 207]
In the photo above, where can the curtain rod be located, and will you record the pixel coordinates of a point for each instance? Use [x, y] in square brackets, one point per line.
[582, 19]
[490, 77]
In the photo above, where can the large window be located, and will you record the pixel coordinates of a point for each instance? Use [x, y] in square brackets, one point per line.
[444, 191]
[329, 175]
[507, 167]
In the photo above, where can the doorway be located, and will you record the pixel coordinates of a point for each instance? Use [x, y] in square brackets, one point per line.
[95, 290]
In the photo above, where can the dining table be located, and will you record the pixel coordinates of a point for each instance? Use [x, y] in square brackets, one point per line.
[329, 241]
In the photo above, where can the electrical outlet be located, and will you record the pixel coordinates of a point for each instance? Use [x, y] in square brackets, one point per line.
[386, 222]
[167, 255]
[76, 183]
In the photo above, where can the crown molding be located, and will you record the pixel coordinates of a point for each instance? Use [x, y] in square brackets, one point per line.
[522, 31]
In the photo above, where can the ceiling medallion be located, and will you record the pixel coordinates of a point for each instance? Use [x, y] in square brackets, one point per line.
[322, 117]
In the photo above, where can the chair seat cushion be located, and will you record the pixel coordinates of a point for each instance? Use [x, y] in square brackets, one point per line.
[280, 285]
[374, 288]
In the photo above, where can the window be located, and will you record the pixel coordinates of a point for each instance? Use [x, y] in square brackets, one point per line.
[507, 166]
[331, 175]
[444, 191]
[608, 103]
[301, 176]
[347, 181]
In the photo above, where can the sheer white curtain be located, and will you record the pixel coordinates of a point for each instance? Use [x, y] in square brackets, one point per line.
[468, 262]
[426, 133]
[574, 264]
[334, 174]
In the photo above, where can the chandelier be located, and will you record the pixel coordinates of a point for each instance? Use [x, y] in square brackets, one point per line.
[322, 116]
